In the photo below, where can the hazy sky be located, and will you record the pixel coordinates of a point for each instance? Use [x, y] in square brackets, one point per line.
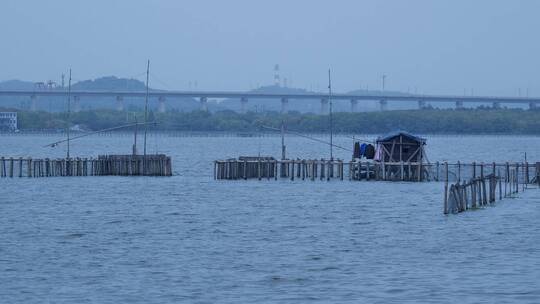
[441, 46]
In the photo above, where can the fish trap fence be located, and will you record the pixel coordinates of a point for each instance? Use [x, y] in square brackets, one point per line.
[525, 173]
[270, 168]
[481, 191]
[321, 169]
[104, 165]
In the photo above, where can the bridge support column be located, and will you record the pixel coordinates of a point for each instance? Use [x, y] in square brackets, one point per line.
[532, 105]
[324, 106]
[161, 104]
[119, 103]
[243, 103]
[459, 104]
[496, 105]
[383, 105]
[204, 104]
[421, 104]
[33, 105]
[354, 105]
[284, 105]
[76, 104]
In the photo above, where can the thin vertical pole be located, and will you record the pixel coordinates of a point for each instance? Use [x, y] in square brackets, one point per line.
[68, 112]
[283, 154]
[331, 118]
[146, 117]
[146, 107]
[135, 136]
[445, 208]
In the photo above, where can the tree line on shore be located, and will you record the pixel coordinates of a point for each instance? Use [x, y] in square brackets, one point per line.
[430, 121]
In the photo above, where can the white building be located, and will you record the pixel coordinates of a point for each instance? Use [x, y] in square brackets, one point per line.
[8, 121]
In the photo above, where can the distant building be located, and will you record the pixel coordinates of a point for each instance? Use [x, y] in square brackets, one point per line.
[8, 121]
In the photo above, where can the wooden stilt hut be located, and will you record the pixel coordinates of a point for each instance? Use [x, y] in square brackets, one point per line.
[402, 155]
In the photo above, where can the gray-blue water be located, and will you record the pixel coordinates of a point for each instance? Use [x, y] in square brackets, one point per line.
[191, 239]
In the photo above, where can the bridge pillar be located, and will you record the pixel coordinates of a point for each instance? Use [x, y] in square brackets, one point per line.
[421, 104]
[354, 105]
[383, 105]
[76, 104]
[532, 105]
[459, 104]
[243, 103]
[496, 105]
[204, 104]
[284, 105]
[33, 105]
[161, 104]
[119, 103]
[324, 106]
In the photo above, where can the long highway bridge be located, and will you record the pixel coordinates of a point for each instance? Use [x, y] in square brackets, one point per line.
[243, 97]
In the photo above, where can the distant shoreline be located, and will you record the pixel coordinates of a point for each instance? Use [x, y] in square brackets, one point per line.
[482, 121]
[173, 133]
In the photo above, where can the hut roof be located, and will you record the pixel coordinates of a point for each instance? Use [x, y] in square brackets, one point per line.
[391, 135]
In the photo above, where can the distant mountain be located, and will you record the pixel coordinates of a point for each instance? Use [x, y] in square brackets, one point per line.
[16, 85]
[110, 83]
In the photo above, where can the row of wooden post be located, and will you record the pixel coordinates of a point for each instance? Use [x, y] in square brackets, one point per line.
[152, 165]
[478, 169]
[387, 171]
[322, 169]
[481, 191]
[272, 169]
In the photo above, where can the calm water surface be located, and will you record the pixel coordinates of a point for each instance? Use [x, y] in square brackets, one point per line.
[189, 238]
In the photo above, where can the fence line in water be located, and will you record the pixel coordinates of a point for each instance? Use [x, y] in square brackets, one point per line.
[481, 191]
[104, 165]
[270, 168]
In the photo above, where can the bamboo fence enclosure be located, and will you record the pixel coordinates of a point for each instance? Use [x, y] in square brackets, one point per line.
[104, 165]
[260, 168]
[481, 191]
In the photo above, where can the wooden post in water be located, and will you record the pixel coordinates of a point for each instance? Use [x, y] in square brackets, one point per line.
[267, 169]
[401, 169]
[322, 170]
[517, 177]
[522, 166]
[538, 174]
[527, 180]
[304, 169]
[259, 168]
[500, 185]
[293, 169]
[446, 188]
[484, 196]
[11, 166]
[29, 167]
[507, 174]
[458, 171]
[420, 169]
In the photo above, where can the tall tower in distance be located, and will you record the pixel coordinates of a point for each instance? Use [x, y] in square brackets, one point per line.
[276, 75]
